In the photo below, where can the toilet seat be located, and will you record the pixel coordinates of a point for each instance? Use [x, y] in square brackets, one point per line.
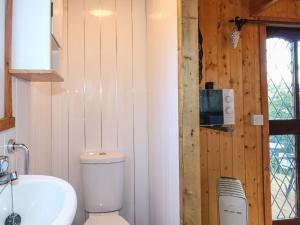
[106, 220]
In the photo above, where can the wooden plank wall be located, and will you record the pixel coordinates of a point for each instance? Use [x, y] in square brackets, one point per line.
[237, 154]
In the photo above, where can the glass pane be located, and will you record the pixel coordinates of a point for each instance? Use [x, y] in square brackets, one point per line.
[280, 69]
[283, 177]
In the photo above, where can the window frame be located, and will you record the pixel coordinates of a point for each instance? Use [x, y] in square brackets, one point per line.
[277, 127]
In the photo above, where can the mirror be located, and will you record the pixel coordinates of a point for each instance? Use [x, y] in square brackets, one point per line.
[6, 119]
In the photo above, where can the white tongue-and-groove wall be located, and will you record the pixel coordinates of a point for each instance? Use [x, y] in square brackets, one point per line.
[102, 105]
[162, 64]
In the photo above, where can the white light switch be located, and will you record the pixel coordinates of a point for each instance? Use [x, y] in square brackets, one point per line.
[257, 120]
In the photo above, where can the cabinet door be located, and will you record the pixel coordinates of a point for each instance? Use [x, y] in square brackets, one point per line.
[57, 20]
[31, 28]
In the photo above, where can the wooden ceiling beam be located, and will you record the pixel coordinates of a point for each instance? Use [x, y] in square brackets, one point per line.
[257, 6]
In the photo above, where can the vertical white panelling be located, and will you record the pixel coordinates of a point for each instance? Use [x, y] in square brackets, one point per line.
[125, 101]
[163, 112]
[109, 76]
[156, 172]
[60, 111]
[140, 112]
[93, 107]
[171, 112]
[40, 137]
[32, 109]
[22, 111]
[60, 131]
[107, 105]
[76, 72]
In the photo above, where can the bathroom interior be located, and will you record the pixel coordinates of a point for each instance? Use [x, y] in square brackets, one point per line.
[149, 112]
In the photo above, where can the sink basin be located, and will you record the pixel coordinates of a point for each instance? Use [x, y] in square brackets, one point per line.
[39, 200]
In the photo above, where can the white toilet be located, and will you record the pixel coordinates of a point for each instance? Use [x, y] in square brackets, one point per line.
[103, 180]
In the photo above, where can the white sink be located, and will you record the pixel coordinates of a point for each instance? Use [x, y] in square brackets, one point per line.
[39, 200]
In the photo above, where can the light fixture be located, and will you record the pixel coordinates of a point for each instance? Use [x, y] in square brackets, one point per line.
[158, 16]
[101, 12]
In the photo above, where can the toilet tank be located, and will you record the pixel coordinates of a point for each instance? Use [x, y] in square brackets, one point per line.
[103, 180]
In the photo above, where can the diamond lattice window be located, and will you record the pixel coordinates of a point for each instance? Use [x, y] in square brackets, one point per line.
[284, 121]
[280, 67]
[283, 177]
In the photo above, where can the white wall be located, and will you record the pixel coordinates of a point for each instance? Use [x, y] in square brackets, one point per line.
[32, 109]
[163, 112]
[102, 105]
[15, 132]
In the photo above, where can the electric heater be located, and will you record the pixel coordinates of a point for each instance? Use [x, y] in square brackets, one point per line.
[232, 202]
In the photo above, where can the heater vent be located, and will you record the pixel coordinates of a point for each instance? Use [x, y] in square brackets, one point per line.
[232, 202]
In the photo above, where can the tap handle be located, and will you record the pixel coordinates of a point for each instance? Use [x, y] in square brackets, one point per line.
[13, 176]
[4, 163]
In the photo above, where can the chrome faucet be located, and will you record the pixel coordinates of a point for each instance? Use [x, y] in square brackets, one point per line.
[5, 176]
[13, 147]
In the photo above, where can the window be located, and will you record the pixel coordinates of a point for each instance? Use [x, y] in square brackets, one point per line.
[284, 120]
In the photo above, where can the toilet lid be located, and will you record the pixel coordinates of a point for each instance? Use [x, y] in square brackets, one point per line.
[106, 220]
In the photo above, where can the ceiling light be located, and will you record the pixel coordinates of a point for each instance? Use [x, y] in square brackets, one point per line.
[101, 12]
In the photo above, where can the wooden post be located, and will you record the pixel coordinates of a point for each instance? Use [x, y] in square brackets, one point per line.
[189, 125]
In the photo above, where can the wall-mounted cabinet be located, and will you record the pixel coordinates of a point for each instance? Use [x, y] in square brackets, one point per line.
[36, 39]
[57, 20]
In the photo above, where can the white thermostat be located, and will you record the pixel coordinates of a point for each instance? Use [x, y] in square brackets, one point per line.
[257, 120]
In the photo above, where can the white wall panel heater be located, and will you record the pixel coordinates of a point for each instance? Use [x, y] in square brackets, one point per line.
[232, 202]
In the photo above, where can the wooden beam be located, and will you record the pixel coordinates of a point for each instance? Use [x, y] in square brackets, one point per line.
[189, 126]
[257, 6]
